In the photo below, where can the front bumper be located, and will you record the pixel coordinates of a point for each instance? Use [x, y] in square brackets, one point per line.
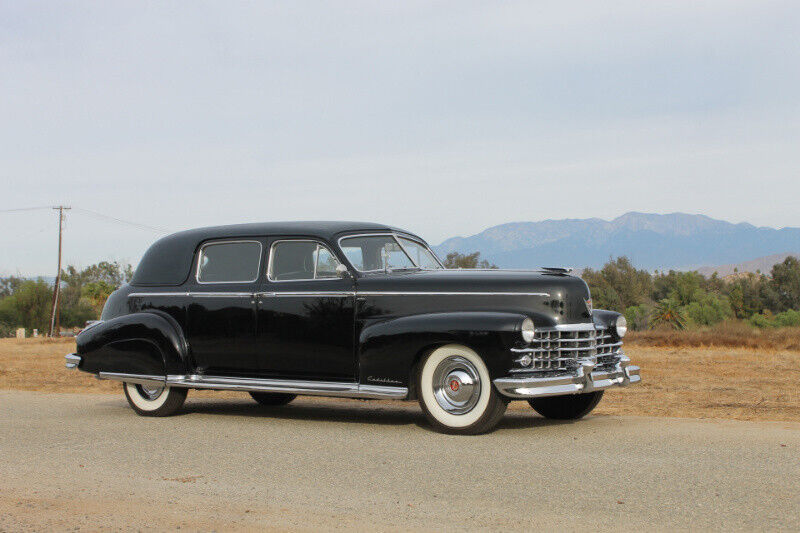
[585, 379]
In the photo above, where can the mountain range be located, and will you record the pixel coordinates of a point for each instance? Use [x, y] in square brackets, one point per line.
[652, 241]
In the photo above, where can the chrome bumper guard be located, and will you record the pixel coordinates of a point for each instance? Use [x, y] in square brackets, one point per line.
[73, 360]
[585, 379]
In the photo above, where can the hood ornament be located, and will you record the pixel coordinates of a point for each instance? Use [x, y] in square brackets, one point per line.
[557, 270]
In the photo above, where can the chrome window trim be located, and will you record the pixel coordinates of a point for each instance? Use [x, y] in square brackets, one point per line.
[399, 238]
[396, 237]
[315, 278]
[236, 241]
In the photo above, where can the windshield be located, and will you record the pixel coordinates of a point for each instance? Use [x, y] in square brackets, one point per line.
[420, 254]
[370, 253]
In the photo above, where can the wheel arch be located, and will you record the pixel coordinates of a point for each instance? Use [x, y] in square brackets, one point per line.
[147, 343]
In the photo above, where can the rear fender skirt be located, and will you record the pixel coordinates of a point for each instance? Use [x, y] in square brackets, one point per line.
[147, 343]
[388, 349]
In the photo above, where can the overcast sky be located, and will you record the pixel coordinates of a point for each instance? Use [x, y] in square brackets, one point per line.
[443, 118]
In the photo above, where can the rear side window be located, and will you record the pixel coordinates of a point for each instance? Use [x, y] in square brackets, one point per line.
[301, 260]
[229, 262]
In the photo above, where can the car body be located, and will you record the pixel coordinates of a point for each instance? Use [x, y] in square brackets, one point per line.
[355, 310]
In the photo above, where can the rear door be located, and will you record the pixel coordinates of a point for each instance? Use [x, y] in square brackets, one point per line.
[306, 314]
[221, 318]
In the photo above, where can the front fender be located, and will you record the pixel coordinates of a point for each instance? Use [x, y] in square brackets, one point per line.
[605, 319]
[389, 349]
[149, 343]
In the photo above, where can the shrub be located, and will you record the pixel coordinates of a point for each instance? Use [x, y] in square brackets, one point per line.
[787, 319]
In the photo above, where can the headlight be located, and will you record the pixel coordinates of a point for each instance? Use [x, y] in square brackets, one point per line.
[528, 330]
[621, 326]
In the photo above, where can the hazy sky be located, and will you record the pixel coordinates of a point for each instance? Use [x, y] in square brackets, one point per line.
[443, 118]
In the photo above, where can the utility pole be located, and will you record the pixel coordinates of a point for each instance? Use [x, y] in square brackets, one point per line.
[55, 326]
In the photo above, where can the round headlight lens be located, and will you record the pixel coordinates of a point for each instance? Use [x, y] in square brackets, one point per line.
[621, 326]
[528, 330]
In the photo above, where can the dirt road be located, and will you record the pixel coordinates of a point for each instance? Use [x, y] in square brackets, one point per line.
[86, 461]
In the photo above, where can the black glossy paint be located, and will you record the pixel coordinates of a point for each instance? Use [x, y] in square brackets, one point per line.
[357, 328]
[307, 336]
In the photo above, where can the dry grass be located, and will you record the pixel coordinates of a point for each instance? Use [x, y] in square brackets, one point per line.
[708, 381]
[726, 334]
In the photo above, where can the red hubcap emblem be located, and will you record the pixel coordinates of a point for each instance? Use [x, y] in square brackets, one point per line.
[454, 385]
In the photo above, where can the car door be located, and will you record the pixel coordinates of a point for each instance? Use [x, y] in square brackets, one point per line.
[221, 317]
[306, 314]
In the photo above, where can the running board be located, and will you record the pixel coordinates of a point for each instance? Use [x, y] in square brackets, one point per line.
[313, 388]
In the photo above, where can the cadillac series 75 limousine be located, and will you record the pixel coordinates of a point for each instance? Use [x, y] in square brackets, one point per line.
[352, 310]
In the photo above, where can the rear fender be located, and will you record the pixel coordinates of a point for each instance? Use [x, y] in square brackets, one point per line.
[148, 343]
[389, 349]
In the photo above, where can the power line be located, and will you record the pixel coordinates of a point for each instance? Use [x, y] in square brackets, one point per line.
[101, 216]
[28, 208]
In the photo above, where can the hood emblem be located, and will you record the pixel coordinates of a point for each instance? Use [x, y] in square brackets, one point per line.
[588, 302]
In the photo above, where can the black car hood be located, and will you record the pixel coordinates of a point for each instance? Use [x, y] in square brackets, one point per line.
[553, 292]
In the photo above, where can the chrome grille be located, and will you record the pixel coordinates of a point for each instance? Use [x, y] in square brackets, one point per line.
[558, 349]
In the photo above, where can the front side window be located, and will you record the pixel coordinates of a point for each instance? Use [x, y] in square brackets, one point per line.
[229, 262]
[301, 260]
[383, 252]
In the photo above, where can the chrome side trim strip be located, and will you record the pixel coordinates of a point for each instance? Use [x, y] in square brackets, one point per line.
[438, 293]
[73, 360]
[139, 379]
[221, 294]
[295, 294]
[146, 294]
[194, 294]
[570, 327]
[313, 388]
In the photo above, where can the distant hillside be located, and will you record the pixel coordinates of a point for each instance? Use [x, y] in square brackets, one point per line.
[651, 241]
[761, 264]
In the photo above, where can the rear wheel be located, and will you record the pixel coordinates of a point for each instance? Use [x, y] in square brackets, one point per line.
[456, 392]
[570, 407]
[272, 398]
[154, 400]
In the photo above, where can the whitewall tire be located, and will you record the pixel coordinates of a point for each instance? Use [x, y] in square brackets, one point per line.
[149, 400]
[456, 392]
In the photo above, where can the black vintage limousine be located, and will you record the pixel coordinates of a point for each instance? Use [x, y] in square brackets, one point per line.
[354, 310]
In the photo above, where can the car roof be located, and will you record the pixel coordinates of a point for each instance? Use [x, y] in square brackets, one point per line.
[168, 260]
[325, 229]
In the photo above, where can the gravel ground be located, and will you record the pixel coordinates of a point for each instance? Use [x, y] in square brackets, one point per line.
[85, 461]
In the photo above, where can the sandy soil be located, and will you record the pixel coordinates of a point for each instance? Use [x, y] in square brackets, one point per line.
[704, 382]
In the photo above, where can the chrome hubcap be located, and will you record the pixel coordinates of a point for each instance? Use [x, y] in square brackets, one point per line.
[456, 385]
[150, 393]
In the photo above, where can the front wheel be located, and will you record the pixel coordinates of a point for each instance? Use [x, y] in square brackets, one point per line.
[456, 392]
[570, 407]
[154, 400]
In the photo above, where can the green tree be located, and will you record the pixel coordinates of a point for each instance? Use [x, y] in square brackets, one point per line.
[473, 260]
[786, 284]
[9, 284]
[29, 306]
[618, 285]
[707, 309]
[84, 292]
